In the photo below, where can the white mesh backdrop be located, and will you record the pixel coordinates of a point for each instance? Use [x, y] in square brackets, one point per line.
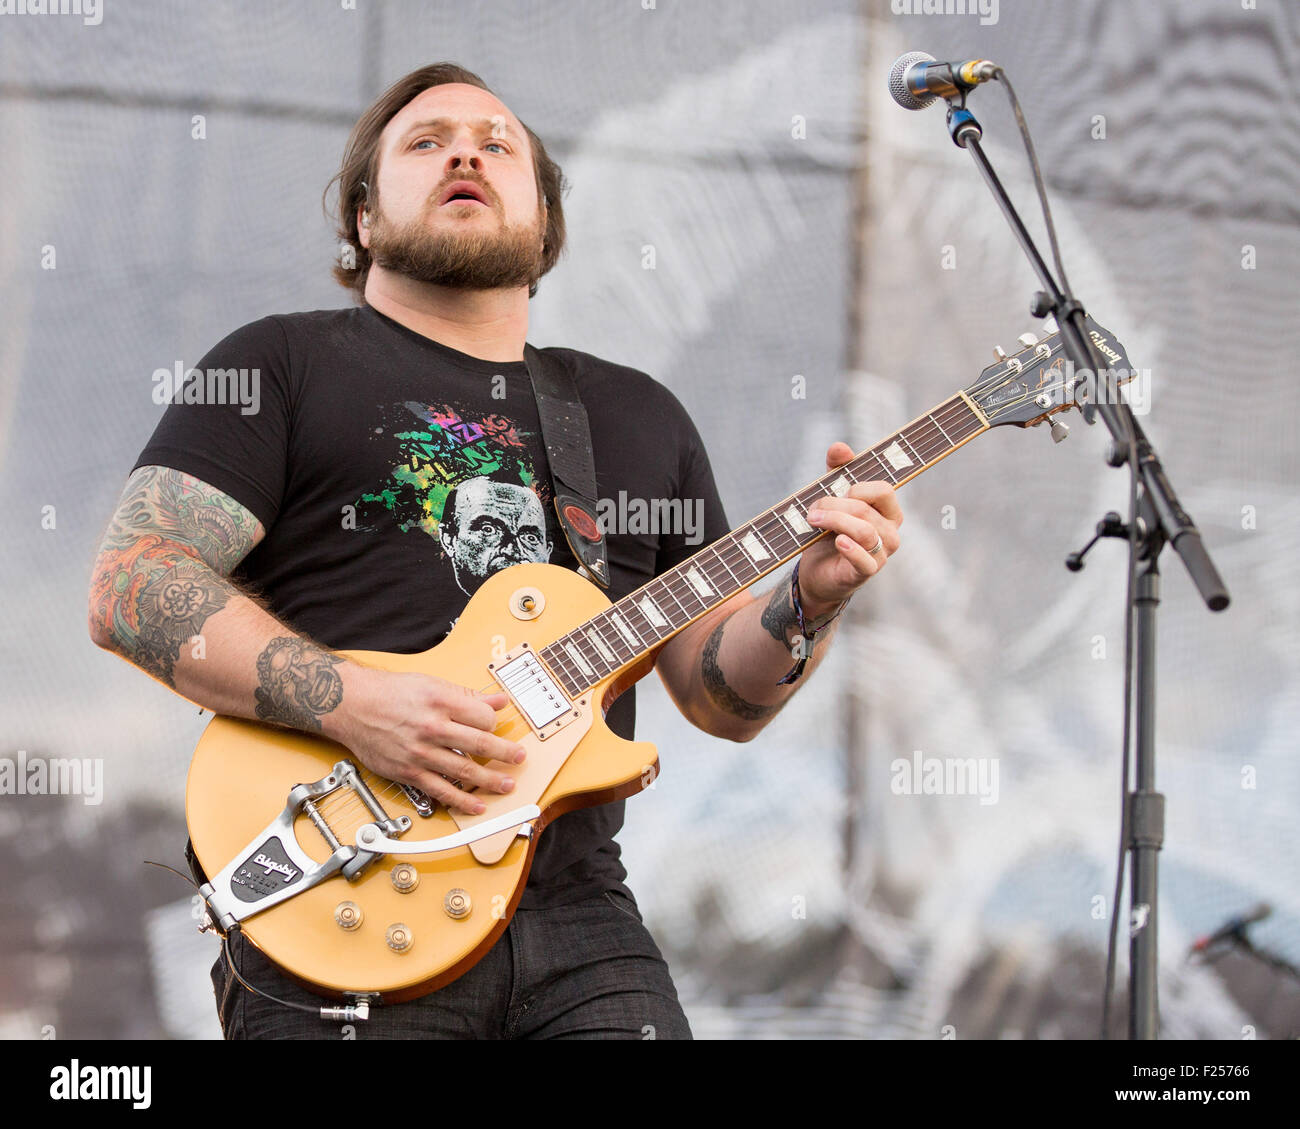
[801, 225]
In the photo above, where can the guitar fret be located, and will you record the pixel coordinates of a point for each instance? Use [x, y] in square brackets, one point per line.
[626, 631]
[722, 556]
[665, 584]
[884, 469]
[589, 653]
[686, 598]
[903, 438]
[929, 436]
[633, 613]
[613, 638]
[599, 644]
[559, 664]
[941, 430]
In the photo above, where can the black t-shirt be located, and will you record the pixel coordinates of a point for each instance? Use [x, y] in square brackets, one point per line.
[393, 474]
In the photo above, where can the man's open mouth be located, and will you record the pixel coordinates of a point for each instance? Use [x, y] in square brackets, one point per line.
[463, 192]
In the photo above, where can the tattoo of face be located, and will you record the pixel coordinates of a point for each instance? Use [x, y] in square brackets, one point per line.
[779, 615]
[297, 683]
[715, 683]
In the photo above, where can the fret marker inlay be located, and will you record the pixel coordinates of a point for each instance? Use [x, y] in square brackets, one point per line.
[576, 656]
[651, 611]
[751, 544]
[897, 459]
[795, 520]
[599, 644]
[701, 585]
[624, 630]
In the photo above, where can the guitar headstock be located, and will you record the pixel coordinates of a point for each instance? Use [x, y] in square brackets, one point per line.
[1039, 380]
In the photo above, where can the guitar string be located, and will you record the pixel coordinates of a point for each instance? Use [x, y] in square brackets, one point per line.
[337, 807]
[352, 802]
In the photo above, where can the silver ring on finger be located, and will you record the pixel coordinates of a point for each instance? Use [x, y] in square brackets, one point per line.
[879, 546]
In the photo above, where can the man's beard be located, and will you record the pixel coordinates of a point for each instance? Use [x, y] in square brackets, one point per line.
[461, 259]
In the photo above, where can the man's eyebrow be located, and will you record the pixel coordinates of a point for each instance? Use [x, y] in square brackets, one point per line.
[489, 124]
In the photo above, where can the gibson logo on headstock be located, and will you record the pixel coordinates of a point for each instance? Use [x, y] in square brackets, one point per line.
[1104, 349]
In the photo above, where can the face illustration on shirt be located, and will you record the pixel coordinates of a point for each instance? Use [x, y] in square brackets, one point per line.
[488, 526]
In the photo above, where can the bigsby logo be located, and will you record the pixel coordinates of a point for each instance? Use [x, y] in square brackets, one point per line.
[289, 872]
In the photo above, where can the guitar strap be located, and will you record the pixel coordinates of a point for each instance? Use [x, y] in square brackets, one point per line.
[566, 432]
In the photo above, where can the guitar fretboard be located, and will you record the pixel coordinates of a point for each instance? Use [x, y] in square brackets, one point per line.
[641, 620]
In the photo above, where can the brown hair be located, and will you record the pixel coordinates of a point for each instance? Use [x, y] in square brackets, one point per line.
[361, 163]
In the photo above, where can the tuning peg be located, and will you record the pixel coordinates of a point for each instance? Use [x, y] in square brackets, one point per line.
[1027, 339]
[1059, 430]
[999, 353]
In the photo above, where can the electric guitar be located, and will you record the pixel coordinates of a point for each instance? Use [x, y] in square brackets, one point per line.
[361, 888]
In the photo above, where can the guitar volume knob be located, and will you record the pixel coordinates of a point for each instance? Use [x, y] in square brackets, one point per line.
[405, 877]
[457, 903]
[348, 915]
[399, 937]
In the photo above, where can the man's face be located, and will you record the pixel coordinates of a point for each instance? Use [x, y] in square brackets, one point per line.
[446, 136]
[496, 524]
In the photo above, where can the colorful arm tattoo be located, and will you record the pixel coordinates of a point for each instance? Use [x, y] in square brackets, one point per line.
[161, 568]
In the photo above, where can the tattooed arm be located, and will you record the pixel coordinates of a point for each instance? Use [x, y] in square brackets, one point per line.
[160, 597]
[723, 670]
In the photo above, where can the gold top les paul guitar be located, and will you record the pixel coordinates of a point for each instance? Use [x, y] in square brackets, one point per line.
[359, 887]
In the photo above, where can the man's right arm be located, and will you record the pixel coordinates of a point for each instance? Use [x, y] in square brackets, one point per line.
[161, 598]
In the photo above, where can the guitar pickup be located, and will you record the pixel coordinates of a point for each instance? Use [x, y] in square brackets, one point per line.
[534, 691]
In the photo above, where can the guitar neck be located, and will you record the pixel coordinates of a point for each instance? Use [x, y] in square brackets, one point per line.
[642, 620]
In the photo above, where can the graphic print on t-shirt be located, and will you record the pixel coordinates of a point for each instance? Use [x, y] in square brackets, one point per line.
[468, 482]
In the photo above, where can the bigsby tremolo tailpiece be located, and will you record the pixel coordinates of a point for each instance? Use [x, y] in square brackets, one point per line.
[273, 867]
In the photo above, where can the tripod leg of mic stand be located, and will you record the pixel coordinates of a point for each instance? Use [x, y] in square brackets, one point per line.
[1146, 820]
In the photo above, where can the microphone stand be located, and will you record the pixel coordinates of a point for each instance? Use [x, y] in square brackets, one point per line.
[1160, 521]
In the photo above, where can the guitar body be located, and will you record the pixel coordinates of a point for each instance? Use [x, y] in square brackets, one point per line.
[242, 771]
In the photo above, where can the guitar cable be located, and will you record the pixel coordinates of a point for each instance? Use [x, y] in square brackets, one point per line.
[346, 1014]
[1130, 436]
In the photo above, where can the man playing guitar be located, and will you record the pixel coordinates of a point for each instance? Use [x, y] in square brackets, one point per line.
[392, 465]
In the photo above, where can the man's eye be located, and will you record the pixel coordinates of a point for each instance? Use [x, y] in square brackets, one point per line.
[498, 145]
[424, 141]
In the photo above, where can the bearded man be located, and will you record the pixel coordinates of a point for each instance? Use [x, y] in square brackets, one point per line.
[241, 527]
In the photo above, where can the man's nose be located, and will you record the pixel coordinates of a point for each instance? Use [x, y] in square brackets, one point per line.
[464, 155]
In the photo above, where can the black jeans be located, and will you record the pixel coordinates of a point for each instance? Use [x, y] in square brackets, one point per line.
[589, 970]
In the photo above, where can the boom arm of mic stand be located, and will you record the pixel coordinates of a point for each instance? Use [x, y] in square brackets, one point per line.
[1177, 527]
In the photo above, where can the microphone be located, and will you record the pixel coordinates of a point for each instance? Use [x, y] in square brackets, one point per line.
[1233, 928]
[917, 79]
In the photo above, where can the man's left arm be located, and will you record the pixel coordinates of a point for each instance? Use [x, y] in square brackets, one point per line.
[724, 670]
